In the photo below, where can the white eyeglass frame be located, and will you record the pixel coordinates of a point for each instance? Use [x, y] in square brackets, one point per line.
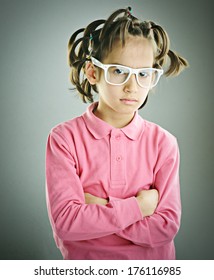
[135, 71]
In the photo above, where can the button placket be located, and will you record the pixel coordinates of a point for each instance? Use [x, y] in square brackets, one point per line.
[118, 176]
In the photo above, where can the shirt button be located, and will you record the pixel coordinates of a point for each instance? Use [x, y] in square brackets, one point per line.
[118, 158]
[117, 137]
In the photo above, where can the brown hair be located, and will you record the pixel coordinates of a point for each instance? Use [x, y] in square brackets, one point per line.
[98, 40]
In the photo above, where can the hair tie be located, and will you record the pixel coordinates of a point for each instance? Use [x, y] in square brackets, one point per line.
[90, 49]
[129, 11]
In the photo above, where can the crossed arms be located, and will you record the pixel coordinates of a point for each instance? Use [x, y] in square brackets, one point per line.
[151, 218]
[147, 200]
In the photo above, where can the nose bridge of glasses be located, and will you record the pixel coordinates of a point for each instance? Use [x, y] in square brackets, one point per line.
[132, 76]
[135, 72]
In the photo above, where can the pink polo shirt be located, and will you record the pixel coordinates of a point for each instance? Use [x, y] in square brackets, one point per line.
[86, 154]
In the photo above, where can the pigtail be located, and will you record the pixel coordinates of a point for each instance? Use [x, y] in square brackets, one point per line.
[76, 61]
[79, 51]
[165, 56]
[72, 44]
[177, 64]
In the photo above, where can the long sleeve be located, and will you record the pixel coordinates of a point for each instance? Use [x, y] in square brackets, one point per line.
[71, 218]
[161, 227]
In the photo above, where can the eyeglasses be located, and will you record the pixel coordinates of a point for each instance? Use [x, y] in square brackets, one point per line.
[118, 74]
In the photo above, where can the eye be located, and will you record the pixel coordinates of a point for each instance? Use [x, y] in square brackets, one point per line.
[119, 71]
[143, 74]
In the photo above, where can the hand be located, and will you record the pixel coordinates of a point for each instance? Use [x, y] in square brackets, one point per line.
[92, 199]
[148, 201]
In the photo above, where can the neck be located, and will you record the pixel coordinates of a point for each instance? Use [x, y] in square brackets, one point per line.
[115, 120]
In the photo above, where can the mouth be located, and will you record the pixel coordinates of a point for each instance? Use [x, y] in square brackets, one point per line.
[128, 101]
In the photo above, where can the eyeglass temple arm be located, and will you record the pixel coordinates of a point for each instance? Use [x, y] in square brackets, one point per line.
[96, 62]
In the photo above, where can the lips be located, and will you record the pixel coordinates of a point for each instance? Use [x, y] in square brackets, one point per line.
[128, 100]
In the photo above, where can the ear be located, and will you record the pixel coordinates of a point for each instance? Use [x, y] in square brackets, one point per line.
[90, 73]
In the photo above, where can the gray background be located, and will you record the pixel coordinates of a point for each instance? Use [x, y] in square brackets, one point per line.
[35, 97]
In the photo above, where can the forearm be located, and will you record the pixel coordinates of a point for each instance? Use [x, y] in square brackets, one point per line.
[147, 201]
[79, 221]
[156, 230]
[162, 226]
[91, 199]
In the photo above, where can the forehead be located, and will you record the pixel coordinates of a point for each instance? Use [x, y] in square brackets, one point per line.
[137, 52]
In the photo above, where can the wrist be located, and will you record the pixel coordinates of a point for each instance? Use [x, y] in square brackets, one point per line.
[102, 201]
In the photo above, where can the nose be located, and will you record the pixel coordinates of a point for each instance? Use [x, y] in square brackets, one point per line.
[131, 85]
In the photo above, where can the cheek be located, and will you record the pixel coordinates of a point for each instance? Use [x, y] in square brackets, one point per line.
[144, 93]
[99, 75]
[101, 83]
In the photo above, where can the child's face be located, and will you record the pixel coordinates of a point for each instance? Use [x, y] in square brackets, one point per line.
[138, 52]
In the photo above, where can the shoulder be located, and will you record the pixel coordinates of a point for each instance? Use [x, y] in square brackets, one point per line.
[67, 133]
[68, 127]
[158, 130]
[76, 126]
[162, 143]
[160, 136]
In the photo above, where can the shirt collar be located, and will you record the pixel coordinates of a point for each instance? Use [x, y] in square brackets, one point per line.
[99, 129]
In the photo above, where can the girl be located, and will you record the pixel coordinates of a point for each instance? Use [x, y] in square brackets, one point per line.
[113, 177]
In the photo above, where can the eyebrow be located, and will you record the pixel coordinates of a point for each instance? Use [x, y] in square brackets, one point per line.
[115, 63]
